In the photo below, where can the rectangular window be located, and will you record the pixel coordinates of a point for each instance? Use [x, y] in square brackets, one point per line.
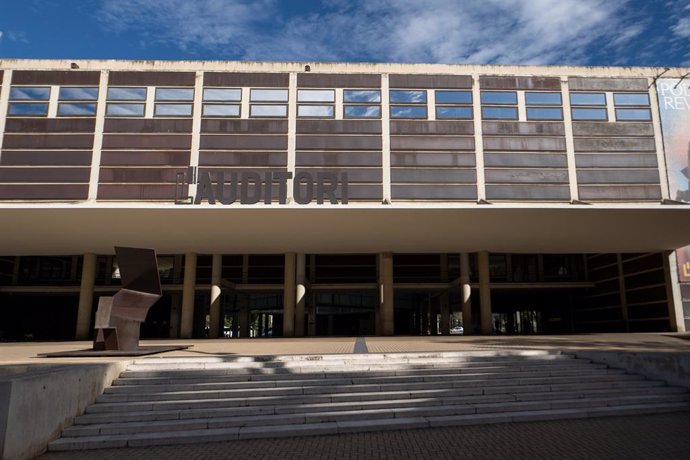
[222, 94]
[19, 93]
[544, 113]
[351, 95]
[173, 110]
[221, 110]
[362, 111]
[315, 95]
[453, 97]
[77, 110]
[589, 114]
[29, 110]
[499, 113]
[499, 97]
[268, 111]
[408, 111]
[543, 98]
[409, 97]
[174, 94]
[268, 95]
[454, 113]
[78, 94]
[126, 94]
[317, 111]
[125, 110]
[587, 99]
[633, 115]
[627, 99]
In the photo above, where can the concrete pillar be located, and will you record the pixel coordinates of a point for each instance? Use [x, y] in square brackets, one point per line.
[386, 308]
[188, 291]
[311, 322]
[88, 279]
[289, 296]
[175, 308]
[300, 294]
[424, 318]
[484, 293]
[216, 275]
[243, 317]
[444, 300]
[465, 294]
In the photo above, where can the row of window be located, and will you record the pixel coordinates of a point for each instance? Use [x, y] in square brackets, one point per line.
[411, 104]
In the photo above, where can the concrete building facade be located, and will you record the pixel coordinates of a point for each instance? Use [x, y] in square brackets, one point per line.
[302, 199]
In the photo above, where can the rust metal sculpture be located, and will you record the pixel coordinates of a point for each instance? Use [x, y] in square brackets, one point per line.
[119, 318]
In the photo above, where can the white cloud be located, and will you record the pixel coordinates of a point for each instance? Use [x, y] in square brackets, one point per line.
[449, 31]
[682, 28]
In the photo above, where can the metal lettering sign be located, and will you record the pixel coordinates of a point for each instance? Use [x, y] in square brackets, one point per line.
[251, 187]
[674, 108]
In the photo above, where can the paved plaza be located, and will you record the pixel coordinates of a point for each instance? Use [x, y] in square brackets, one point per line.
[665, 436]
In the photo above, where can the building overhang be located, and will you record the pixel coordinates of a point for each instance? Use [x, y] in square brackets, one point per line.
[49, 229]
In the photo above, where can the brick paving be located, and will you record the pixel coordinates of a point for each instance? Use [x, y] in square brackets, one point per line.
[663, 436]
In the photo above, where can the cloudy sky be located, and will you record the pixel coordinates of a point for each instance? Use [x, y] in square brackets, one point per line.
[575, 32]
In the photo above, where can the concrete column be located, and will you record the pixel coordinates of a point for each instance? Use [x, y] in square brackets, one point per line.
[311, 322]
[88, 279]
[675, 298]
[444, 298]
[484, 293]
[433, 316]
[188, 291]
[289, 296]
[465, 294]
[386, 308]
[175, 308]
[216, 275]
[243, 315]
[300, 294]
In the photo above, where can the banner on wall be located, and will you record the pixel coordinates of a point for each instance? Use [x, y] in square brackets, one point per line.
[674, 108]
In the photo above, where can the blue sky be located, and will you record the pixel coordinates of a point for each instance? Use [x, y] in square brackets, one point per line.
[574, 32]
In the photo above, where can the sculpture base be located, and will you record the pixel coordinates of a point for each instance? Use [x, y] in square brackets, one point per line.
[89, 353]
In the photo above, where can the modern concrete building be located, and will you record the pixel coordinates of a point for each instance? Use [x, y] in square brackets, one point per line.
[345, 199]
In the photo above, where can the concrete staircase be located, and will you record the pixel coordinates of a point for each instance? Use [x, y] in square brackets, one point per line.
[161, 401]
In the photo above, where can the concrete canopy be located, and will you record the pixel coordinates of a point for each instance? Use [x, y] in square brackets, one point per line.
[64, 229]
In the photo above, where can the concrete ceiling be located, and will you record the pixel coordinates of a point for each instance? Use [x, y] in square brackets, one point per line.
[62, 230]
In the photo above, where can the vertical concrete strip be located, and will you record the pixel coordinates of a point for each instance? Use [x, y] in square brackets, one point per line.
[311, 323]
[243, 316]
[196, 125]
[484, 293]
[98, 135]
[292, 134]
[386, 307]
[569, 140]
[150, 101]
[289, 295]
[4, 103]
[339, 104]
[216, 276]
[431, 104]
[244, 104]
[88, 279]
[53, 101]
[188, 293]
[386, 139]
[465, 294]
[674, 296]
[610, 107]
[478, 139]
[522, 106]
[300, 294]
[659, 143]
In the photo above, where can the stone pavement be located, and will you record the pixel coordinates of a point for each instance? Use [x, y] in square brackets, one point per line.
[25, 352]
[664, 436]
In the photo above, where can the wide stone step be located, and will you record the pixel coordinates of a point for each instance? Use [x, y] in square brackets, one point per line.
[335, 416]
[480, 355]
[297, 397]
[164, 393]
[262, 431]
[148, 415]
[342, 371]
[154, 385]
